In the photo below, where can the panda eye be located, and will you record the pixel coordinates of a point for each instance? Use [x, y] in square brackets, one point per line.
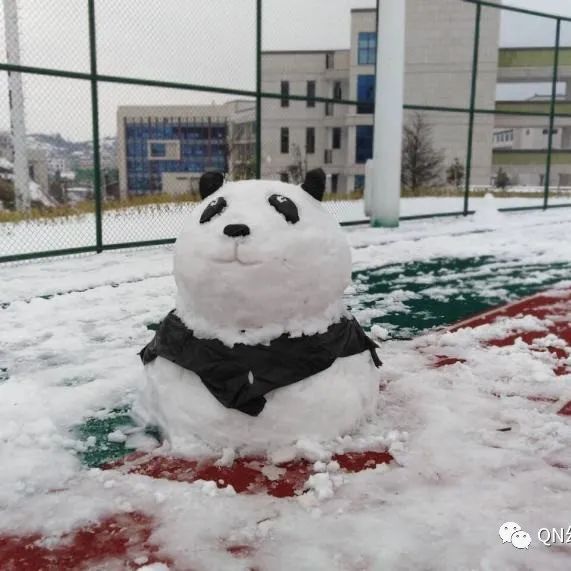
[285, 207]
[213, 209]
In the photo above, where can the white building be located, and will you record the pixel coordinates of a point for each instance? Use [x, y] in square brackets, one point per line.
[521, 150]
[528, 138]
[57, 164]
[299, 135]
[338, 137]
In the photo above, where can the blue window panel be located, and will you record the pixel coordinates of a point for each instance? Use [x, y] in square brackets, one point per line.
[188, 133]
[158, 149]
[359, 182]
[366, 93]
[364, 143]
[216, 132]
[367, 48]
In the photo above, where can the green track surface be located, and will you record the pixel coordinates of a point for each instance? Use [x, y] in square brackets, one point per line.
[407, 299]
[443, 291]
[99, 427]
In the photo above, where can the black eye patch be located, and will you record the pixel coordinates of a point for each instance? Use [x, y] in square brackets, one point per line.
[285, 207]
[213, 209]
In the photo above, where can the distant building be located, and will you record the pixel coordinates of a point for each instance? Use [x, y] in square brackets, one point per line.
[56, 164]
[37, 160]
[167, 148]
[529, 138]
[339, 137]
[38, 167]
[525, 158]
[521, 150]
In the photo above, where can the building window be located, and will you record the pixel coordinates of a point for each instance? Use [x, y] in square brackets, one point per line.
[163, 150]
[310, 140]
[359, 182]
[328, 157]
[364, 143]
[284, 138]
[328, 108]
[366, 93]
[285, 93]
[329, 61]
[311, 93]
[284, 177]
[158, 150]
[367, 49]
[336, 143]
[337, 91]
[334, 183]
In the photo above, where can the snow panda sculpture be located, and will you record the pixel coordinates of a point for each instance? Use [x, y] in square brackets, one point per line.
[260, 350]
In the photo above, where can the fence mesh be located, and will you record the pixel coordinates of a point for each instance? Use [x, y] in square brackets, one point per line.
[119, 107]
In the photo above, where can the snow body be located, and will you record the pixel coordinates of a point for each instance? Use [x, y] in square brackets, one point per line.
[282, 277]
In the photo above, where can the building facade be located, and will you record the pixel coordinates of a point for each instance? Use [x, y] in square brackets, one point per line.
[164, 149]
[167, 148]
[339, 137]
[521, 142]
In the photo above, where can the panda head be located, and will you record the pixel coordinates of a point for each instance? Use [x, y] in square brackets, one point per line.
[260, 255]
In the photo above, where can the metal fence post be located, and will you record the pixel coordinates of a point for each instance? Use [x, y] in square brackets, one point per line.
[258, 89]
[95, 126]
[552, 114]
[473, 86]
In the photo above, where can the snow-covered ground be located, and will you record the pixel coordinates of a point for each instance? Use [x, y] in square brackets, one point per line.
[165, 221]
[71, 330]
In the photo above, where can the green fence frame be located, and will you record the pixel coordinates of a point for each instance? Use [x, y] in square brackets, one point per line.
[95, 78]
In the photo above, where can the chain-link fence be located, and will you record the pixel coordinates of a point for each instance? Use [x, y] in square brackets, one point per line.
[110, 111]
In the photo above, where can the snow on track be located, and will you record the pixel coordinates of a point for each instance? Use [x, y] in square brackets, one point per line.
[458, 472]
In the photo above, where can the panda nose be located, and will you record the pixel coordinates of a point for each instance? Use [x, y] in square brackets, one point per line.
[236, 230]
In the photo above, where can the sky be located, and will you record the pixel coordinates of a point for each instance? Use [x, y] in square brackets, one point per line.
[194, 45]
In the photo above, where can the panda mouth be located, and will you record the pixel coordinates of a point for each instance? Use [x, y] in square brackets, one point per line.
[235, 259]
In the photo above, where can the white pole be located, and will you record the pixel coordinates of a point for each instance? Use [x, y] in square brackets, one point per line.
[389, 100]
[368, 191]
[16, 94]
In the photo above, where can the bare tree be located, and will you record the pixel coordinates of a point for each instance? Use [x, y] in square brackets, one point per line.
[421, 162]
[502, 179]
[455, 173]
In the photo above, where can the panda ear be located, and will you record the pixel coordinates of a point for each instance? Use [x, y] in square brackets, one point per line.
[314, 183]
[209, 183]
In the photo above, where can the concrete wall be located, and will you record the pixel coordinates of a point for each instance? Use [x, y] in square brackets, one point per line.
[439, 54]
[180, 183]
[298, 68]
[439, 51]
